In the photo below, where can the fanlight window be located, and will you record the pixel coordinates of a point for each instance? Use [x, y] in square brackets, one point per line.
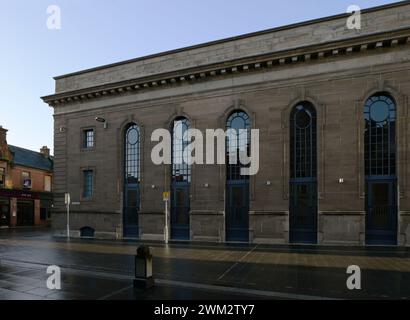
[235, 144]
[303, 141]
[380, 136]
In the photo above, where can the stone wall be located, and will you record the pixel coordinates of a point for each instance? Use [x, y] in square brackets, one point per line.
[338, 88]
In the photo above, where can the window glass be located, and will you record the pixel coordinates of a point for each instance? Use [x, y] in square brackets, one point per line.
[132, 154]
[237, 142]
[88, 139]
[380, 136]
[88, 184]
[181, 171]
[303, 149]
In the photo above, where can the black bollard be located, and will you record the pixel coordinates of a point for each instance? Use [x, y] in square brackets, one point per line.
[143, 268]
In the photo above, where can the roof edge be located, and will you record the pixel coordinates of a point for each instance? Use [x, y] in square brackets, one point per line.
[229, 39]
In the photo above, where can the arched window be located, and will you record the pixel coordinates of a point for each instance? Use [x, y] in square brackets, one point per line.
[303, 201]
[303, 142]
[181, 171]
[132, 142]
[180, 180]
[380, 170]
[238, 142]
[237, 185]
[132, 154]
[380, 136]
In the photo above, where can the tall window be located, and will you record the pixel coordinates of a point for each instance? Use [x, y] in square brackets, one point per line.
[181, 171]
[303, 175]
[47, 183]
[88, 138]
[380, 136]
[303, 142]
[88, 184]
[132, 154]
[237, 144]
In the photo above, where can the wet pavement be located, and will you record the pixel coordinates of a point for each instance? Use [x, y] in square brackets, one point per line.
[93, 269]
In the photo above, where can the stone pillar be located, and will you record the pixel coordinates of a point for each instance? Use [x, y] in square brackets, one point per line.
[13, 212]
[37, 220]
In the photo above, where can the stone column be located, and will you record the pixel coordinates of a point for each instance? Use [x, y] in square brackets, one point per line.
[13, 212]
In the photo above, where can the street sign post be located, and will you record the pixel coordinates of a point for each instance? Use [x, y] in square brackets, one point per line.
[165, 197]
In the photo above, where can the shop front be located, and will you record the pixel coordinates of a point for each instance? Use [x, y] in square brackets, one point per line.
[23, 208]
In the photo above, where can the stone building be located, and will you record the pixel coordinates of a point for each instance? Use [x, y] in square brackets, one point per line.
[25, 185]
[331, 105]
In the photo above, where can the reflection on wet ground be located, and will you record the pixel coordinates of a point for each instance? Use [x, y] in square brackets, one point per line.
[104, 270]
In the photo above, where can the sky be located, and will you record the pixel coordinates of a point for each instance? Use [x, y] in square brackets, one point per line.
[100, 32]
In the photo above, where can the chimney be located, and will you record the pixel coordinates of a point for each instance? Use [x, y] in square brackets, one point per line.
[45, 151]
[3, 137]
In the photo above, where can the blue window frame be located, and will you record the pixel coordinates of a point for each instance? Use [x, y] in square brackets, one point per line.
[303, 174]
[380, 170]
[88, 187]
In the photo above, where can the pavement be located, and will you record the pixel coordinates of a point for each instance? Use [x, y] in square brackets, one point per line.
[103, 270]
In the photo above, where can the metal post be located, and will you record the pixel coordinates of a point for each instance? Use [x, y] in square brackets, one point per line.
[166, 222]
[67, 202]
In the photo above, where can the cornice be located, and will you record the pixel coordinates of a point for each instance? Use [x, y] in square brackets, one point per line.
[353, 46]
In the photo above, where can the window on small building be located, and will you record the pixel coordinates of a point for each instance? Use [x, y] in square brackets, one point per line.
[88, 138]
[47, 183]
[2, 177]
[26, 180]
[88, 186]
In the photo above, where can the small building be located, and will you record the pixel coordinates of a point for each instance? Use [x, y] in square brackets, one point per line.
[25, 185]
[331, 106]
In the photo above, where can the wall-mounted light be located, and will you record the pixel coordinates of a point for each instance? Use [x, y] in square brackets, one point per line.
[206, 185]
[268, 183]
[102, 120]
[341, 180]
[153, 186]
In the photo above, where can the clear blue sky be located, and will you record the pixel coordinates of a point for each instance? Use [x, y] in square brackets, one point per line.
[98, 32]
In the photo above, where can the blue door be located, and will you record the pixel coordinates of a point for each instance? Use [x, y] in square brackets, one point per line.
[130, 217]
[381, 211]
[180, 211]
[303, 211]
[237, 211]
